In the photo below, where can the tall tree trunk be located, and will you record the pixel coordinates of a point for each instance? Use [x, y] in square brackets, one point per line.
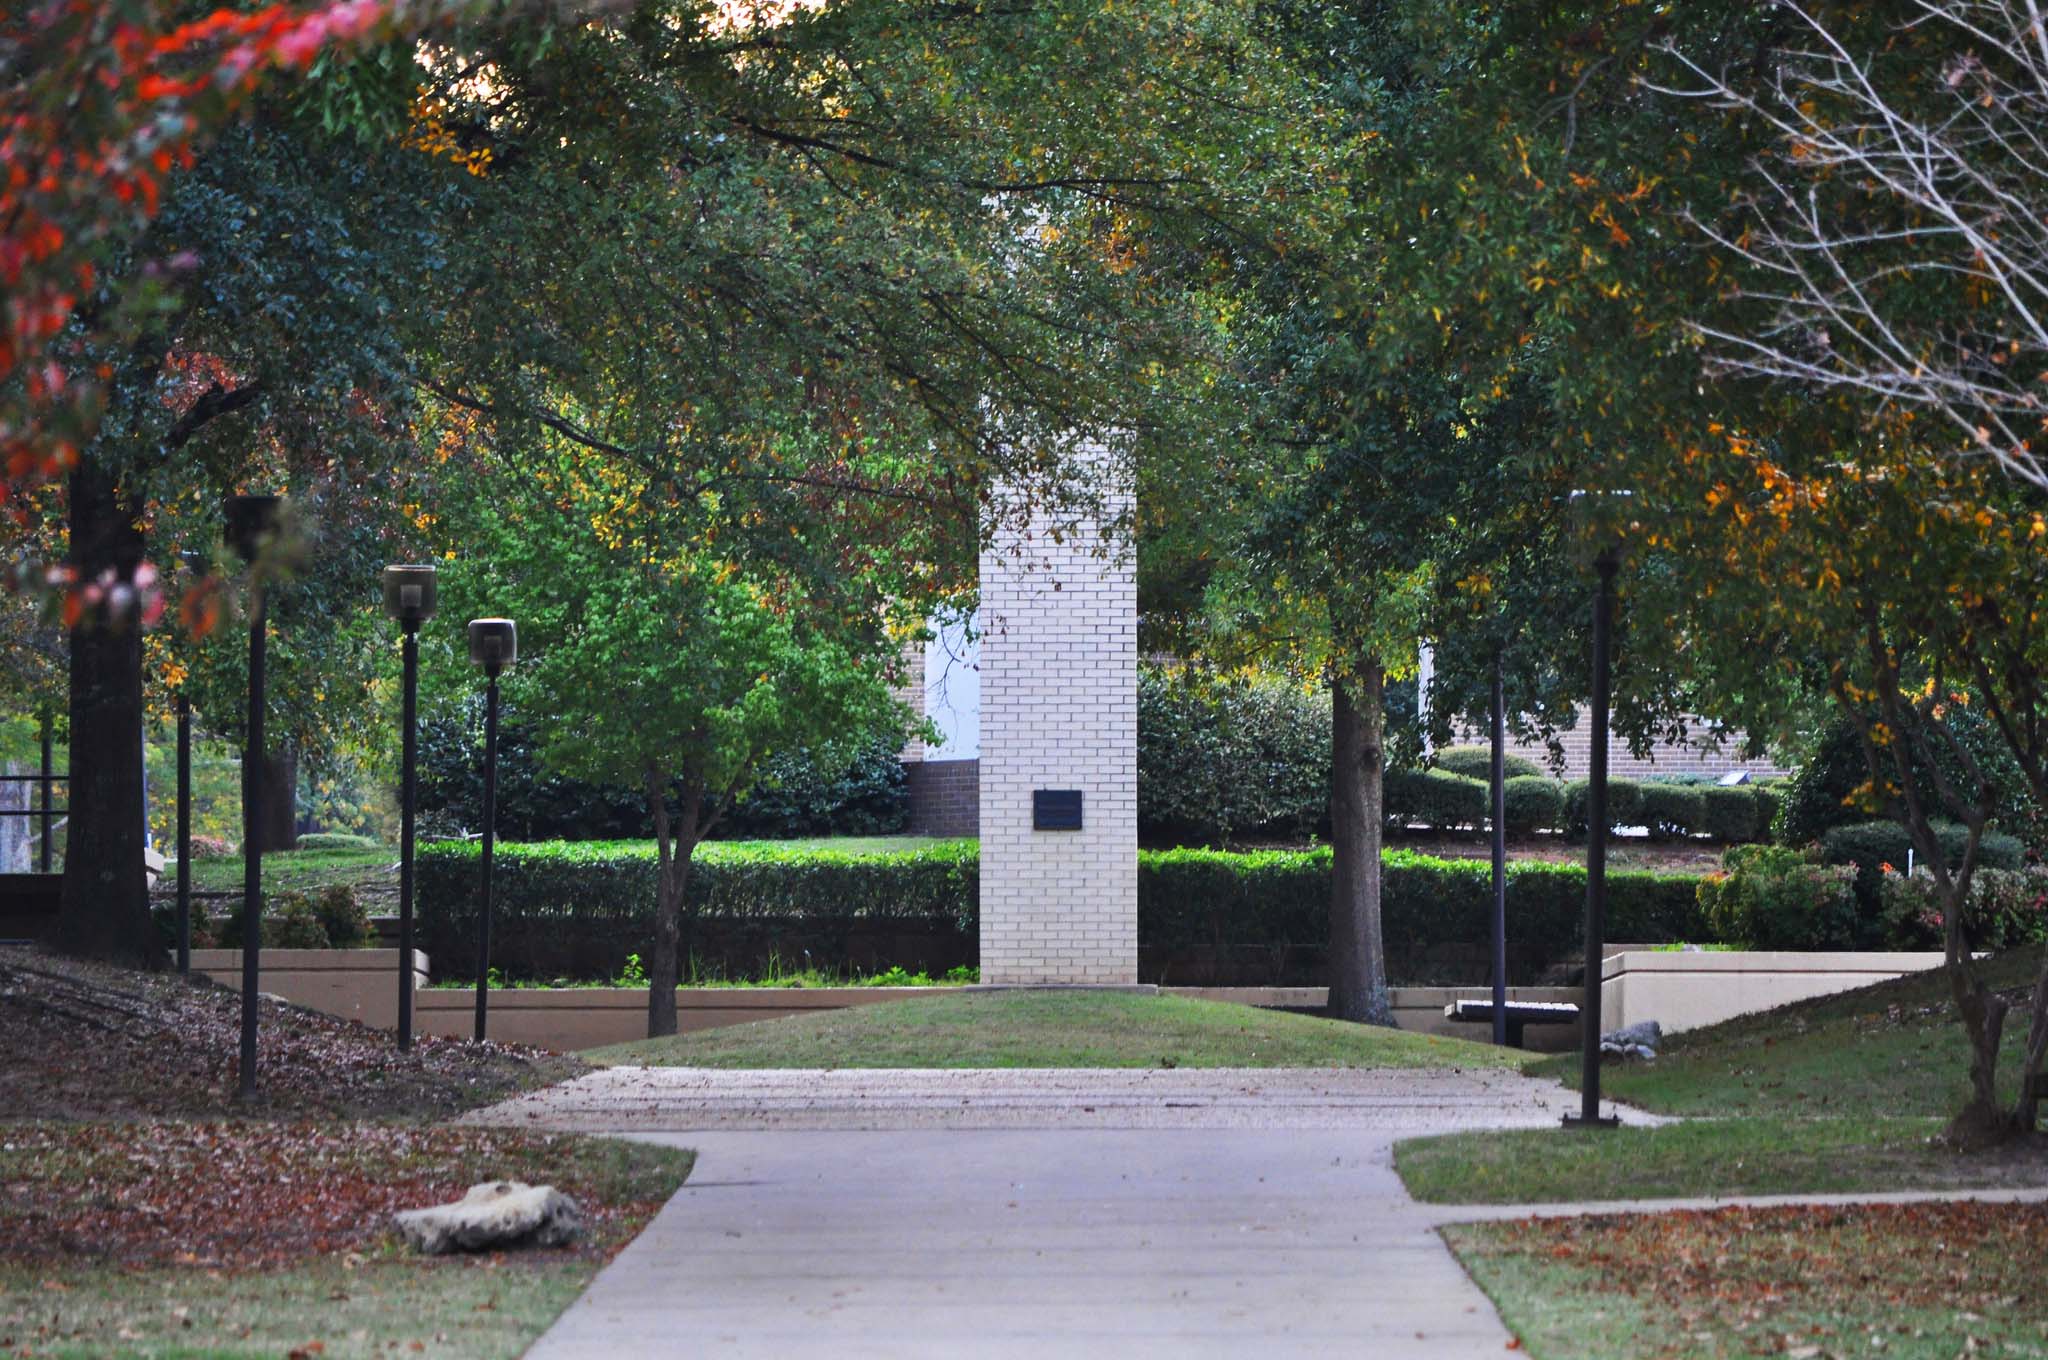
[277, 821]
[106, 896]
[675, 841]
[1358, 956]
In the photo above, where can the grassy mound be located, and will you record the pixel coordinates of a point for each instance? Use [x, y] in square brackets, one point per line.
[1841, 1093]
[1054, 1029]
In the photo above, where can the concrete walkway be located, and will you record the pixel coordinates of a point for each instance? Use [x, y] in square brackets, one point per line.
[678, 1099]
[1035, 1213]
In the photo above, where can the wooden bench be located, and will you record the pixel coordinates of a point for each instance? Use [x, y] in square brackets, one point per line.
[1519, 1015]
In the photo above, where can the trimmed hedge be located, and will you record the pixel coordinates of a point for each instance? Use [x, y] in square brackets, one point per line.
[1532, 803]
[1476, 762]
[1624, 805]
[1204, 916]
[1671, 810]
[576, 909]
[1435, 798]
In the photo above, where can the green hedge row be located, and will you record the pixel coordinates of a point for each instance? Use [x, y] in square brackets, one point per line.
[576, 910]
[1445, 800]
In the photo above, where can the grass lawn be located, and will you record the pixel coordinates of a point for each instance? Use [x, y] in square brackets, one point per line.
[146, 1211]
[1890, 1049]
[1703, 1157]
[1913, 1282]
[279, 1243]
[1054, 1029]
[1840, 1093]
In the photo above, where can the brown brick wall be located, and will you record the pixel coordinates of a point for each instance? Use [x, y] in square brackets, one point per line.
[945, 797]
[1663, 758]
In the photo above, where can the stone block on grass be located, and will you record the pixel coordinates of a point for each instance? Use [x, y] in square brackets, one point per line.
[494, 1215]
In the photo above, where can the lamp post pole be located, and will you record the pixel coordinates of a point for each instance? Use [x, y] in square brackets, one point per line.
[252, 523]
[1498, 778]
[252, 845]
[49, 775]
[493, 644]
[184, 834]
[409, 802]
[483, 918]
[410, 595]
[1596, 852]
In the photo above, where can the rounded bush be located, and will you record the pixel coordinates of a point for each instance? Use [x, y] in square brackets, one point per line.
[1432, 798]
[1476, 762]
[336, 840]
[1532, 803]
[1624, 804]
[1671, 810]
[1730, 814]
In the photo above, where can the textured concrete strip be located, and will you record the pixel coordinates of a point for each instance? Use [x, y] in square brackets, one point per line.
[1035, 1242]
[1492, 1213]
[643, 1099]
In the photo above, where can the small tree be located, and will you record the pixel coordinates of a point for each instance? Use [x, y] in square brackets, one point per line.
[676, 675]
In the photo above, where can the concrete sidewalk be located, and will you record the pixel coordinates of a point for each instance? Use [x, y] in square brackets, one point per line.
[1035, 1212]
[675, 1099]
[1038, 1243]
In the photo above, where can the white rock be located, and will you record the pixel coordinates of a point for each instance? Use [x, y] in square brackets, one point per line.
[494, 1214]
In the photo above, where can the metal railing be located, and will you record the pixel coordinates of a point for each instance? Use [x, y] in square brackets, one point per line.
[44, 809]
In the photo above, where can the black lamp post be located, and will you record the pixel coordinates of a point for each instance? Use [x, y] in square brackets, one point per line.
[494, 645]
[252, 524]
[195, 562]
[1596, 512]
[410, 595]
[49, 778]
[1497, 714]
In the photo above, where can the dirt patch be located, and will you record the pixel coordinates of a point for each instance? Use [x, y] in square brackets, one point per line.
[81, 1041]
[1806, 1281]
[1623, 852]
[240, 1196]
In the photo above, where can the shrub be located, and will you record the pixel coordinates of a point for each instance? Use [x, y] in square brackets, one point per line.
[336, 840]
[1532, 803]
[1731, 814]
[1769, 802]
[1476, 762]
[1873, 846]
[342, 916]
[290, 921]
[212, 847]
[1670, 810]
[164, 915]
[1624, 805]
[855, 790]
[1435, 799]
[1221, 760]
[578, 909]
[1203, 915]
[1831, 786]
[2006, 908]
[1770, 897]
[802, 794]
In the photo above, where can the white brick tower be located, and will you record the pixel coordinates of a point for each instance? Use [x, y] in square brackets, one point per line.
[1059, 717]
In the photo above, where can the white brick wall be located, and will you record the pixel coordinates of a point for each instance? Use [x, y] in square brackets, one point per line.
[1059, 710]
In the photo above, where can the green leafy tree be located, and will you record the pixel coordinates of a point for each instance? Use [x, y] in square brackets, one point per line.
[655, 666]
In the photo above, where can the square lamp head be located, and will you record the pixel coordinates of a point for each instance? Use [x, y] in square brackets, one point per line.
[493, 643]
[409, 594]
[1601, 522]
[252, 522]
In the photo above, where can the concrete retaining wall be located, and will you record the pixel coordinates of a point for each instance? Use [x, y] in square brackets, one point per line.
[355, 984]
[1683, 991]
